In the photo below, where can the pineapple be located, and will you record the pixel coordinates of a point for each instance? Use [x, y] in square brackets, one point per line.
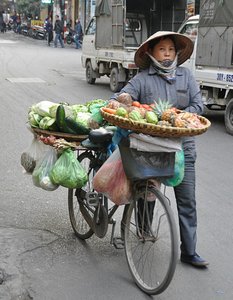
[164, 124]
[191, 120]
[161, 107]
[168, 114]
[179, 122]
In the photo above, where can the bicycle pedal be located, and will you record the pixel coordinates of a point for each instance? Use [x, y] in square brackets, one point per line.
[92, 198]
[118, 243]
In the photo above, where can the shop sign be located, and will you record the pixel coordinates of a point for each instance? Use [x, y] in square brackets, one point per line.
[46, 1]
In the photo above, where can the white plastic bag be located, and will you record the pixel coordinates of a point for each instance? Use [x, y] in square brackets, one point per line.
[41, 173]
[32, 154]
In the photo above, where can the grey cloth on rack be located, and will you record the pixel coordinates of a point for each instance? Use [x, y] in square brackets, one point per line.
[147, 143]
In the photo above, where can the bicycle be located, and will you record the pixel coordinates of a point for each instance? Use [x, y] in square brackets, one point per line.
[148, 236]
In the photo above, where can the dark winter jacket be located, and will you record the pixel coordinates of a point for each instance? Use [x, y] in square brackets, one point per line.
[48, 26]
[78, 29]
[58, 27]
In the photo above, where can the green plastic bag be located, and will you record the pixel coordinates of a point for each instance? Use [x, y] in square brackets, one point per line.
[68, 172]
[96, 113]
[178, 176]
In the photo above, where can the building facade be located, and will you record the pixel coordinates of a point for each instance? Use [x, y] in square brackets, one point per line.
[70, 10]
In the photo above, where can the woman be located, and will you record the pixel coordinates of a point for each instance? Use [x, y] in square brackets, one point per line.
[161, 77]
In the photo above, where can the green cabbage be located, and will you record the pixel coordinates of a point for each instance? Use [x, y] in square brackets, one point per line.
[53, 110]
[42, 108]
[95, 102]
[70, 113]
[47, 123]
[79, 108]
[83, 118]
[34, 119]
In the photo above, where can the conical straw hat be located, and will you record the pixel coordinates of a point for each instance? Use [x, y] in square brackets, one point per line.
[184, 46]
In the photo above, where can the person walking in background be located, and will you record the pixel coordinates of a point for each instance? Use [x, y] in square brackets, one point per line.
[14, 24]
[161, 77]
[6, 21]
[2, 23]
[18, 24]
[58, 28]
[79, 34]
[49, 29]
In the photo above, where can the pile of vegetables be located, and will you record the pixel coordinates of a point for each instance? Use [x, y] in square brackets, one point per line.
[62, 117]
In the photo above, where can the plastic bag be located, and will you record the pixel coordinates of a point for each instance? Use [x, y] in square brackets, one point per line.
[112, 181]
[96, 118]
[178, 176]
[41, 173]
[31, 155]
[68, 171]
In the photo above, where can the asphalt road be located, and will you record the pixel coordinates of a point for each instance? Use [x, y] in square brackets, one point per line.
[40, 258]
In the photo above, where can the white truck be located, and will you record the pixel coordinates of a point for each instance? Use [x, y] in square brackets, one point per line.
[116, 31]
[212, 58]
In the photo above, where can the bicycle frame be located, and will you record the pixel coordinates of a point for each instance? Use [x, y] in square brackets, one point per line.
[148, 235]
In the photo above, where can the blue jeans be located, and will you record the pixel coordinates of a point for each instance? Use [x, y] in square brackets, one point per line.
[58, 37]
[77, 42]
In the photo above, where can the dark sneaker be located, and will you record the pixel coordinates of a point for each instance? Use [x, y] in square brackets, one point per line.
[194, 260]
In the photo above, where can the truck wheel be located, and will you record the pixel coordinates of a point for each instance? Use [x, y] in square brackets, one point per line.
[115, 85]
[229, 117]
[89, 73]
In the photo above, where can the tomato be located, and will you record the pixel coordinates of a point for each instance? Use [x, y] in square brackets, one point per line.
[136, 104]
[146, 106]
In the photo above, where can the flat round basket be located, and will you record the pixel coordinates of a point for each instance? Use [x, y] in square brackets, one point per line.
[155, 130]
[67, 136]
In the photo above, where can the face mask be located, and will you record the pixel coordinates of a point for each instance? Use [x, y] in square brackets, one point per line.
[166, 69]
[166, 63]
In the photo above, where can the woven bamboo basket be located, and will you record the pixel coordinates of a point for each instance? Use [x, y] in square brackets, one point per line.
[155, 130]
[67, 136]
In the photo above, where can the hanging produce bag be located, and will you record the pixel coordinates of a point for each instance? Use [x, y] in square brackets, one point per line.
[178, 176]
[68, 171]
[112, 181]
[41, 173]
[32, 154]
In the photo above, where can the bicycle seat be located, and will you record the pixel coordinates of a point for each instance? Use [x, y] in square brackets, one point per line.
[100, 136]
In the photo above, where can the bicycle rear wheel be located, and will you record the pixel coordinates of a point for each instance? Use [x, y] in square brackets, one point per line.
[77, 201]
[151, 242]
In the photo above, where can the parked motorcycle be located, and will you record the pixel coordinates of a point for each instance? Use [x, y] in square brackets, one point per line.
[40, 33]
[69, 36]
[37, 32]
[24, 29]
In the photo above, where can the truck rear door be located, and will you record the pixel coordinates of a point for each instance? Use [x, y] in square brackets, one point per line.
[118, 17]
[110, 25]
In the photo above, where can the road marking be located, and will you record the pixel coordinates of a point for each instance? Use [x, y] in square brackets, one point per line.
[69, 74]
[7, 42]
[25, 80]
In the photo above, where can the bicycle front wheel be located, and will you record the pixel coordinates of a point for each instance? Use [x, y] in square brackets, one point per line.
[77, 201]
[151, 242]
